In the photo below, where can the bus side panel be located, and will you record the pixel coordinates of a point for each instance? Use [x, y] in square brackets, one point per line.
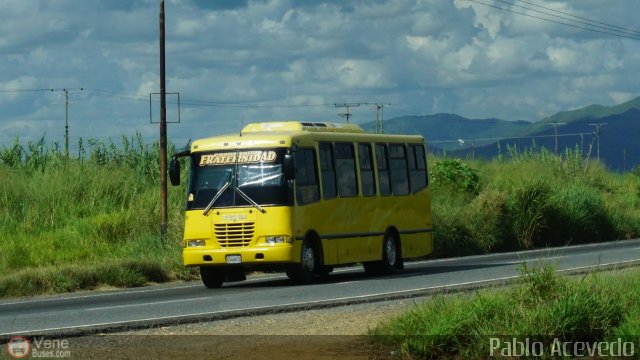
[420, 243]
[356, 217]
[315, 217]
[416, 245]
[330, 251]
[335, 220]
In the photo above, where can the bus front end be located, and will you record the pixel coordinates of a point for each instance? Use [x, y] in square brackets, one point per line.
[238, 213]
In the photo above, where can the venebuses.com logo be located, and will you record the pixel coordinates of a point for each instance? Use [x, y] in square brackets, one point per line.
[18, 347]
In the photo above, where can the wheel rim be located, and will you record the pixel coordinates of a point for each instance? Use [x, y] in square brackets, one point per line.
[308, 259]
[390, 251]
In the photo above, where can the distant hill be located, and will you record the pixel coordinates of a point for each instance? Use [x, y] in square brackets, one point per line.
[445, 129]
[593, 112]
[619, 145]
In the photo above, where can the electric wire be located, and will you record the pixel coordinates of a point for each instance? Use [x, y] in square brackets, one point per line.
[581, 18]
[556, 21]
[587, 22]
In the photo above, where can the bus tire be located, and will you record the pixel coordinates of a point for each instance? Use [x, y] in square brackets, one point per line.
[306, 271]
[212, 277]
[390, 252]
[390, 258]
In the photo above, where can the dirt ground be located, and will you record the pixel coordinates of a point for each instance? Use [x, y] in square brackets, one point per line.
[332, 333]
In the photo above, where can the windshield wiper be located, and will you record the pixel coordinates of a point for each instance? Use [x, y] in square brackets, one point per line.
[215, 198]
[250, 200]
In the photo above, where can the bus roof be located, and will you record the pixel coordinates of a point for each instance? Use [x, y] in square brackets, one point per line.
[294, 126]
[282, 133]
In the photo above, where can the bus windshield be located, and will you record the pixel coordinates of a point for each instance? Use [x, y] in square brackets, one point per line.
[255, 177]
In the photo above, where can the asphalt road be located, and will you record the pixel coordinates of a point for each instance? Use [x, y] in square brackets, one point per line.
[89, 312]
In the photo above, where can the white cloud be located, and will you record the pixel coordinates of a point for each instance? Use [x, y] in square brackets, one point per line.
[423, 56]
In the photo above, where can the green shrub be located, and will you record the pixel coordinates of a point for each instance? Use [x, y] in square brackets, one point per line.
[455, 175]
[577, 214]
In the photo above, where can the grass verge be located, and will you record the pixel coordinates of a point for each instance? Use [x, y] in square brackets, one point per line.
[545, 308]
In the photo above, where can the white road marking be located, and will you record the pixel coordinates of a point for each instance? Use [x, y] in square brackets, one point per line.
[148, 303]
[118, 292]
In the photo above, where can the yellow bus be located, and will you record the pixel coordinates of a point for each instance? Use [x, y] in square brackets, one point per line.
[303, 198]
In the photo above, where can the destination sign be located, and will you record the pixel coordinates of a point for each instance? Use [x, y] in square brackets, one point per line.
[242, 157]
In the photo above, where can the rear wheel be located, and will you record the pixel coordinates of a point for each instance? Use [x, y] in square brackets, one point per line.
[309, 264]
[390, 258]
[212, 277]
[389, 254]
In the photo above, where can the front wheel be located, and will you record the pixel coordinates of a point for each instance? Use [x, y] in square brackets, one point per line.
[212, 277]
[305, 271]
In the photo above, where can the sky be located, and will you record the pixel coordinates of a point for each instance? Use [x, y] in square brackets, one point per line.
[233, 62]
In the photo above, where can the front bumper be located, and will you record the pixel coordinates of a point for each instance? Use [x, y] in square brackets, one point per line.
[263, 255]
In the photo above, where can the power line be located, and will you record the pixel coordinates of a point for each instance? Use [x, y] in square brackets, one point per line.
[578, 17]
[22, 90]
[556, 21]
[503, 138]
[66, 107]
[201, 103]
[588, 22]
[212, 103]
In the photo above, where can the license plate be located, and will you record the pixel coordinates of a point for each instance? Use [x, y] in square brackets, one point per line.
[234, 259]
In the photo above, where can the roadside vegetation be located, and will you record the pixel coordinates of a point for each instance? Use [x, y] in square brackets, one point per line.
[528, 200]
[92, 219]
[88, 221]
[546, 308]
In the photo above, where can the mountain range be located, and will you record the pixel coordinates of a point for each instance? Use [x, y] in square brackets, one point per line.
[609, 133]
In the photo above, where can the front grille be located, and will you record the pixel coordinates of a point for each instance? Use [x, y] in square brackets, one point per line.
[234, 234]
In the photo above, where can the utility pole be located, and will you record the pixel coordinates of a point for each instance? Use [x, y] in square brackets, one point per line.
[66, 117]
[66, 123]
[597, 134]
[473, 149]
[163, 131]
[555, 133]
[347, 114]
[380, 117]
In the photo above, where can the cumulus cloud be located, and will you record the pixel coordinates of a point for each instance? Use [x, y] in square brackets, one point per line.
[235, 61]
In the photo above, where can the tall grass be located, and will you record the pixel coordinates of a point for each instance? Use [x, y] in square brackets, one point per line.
[99, 210]
[598, 307]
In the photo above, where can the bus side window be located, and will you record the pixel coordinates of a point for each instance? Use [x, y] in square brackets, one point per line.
[383, 169]
[367, 176]
[328, 171]
[417, 168]
[306, 180]
[346, 169]
[398, 167]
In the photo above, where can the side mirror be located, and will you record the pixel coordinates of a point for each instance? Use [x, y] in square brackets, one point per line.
[287, 167]
[174, 171]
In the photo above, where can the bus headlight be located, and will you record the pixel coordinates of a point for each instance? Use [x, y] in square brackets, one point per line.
[278, 239]
[194, 243]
